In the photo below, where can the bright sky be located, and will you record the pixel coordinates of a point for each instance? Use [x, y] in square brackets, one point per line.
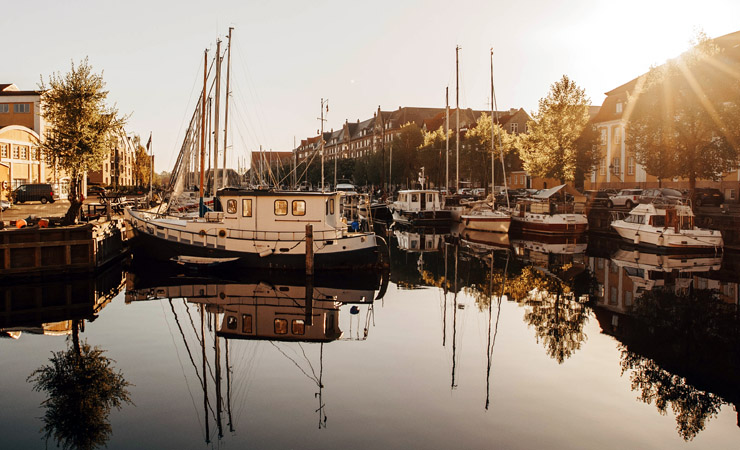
[287, 55]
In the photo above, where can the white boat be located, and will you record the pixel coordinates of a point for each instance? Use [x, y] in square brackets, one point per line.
[648, 270]
[260, 229]
[666, 226]
[555, 211]
[420, 207]
[482, 216]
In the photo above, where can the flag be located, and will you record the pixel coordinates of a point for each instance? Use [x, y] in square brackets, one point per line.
[149, 142]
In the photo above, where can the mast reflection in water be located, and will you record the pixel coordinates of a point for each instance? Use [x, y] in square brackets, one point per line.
[287, 313]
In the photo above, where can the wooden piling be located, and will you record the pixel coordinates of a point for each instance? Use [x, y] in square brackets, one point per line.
[309, 250]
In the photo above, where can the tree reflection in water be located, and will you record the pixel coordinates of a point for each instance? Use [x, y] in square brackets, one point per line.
[82, 388]
[555, 309]
[677, 344]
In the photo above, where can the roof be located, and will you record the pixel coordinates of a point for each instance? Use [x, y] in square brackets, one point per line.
[547, 193]
[11, 90]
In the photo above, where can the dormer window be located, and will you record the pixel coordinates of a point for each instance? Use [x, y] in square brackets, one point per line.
[619, 108]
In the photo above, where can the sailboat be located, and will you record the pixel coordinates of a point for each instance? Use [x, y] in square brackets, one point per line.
[256, 228]
[483, 215]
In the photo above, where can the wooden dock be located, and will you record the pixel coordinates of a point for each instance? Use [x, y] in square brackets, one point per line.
[33, 251]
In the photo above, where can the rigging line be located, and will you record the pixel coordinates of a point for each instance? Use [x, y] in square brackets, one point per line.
[190, 392]
[195, 83]
[243, 119]
[307, 360]
[201, 342]
[247, 75]
[185, 341]
[314, 379]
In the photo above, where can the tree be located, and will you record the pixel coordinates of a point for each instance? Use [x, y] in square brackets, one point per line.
[82, 388]
[685, 115]
[405, 146]
[550, 148]
[479, 140]
[81, 129]
[142, 166]
[431, 155]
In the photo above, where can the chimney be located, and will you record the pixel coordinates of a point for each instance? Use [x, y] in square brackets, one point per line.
[513, 111]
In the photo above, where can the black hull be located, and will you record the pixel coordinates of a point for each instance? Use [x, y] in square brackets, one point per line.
[160, 249]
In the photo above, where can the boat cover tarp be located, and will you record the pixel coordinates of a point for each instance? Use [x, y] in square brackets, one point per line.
[547, 193]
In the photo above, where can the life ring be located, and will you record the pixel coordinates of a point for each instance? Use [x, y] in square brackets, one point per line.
[222, 233]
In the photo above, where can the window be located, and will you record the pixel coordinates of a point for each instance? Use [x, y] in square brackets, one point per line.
[631, 165]
[21, 108]
[613, 295]
[602, 166]
[619, 108]
[247, 207]
[4, 150]
[16, 152]
[231, 323]
[414, 198]
[281, 207]
[299, 207]
[514, 127]
[628, 298]
[298, 327]
[4, 108]
[281, 326]
[603, 136]
[616, 166]
[430, 198]
[35, 154]
[331, 206]
[246, 323]
[231, 206]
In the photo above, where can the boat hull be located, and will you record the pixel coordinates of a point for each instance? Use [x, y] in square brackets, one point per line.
[667, 238]
[558, 224]
[438, 218]
[483, 223]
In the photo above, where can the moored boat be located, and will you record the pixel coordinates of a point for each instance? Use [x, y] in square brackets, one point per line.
[666, 226]
[260, 229]
[482, 216]
[420, 207]
[556, 211]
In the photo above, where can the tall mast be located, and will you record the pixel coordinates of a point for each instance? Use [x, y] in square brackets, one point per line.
[493, 145]
[447, 139]
[226, 110]
[322, 140]
[457, 120]
[501, 154]
[215, 117]
[203, 130]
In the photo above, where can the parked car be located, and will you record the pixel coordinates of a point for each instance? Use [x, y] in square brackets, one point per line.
[708, 196]
[597, 198]
[662, 195]
[626, 197]
[96, 190]
[40, 192]
[479, 192]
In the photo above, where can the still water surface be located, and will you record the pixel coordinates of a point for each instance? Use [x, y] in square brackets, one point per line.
[475, 341]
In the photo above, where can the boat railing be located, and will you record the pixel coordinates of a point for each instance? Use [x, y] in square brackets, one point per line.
[216, 229]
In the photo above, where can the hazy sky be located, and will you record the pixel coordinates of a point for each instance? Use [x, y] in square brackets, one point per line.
[287, 55]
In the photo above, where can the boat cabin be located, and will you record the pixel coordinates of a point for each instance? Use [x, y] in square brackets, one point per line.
[279, 210]
[678, 217]
[414, 200]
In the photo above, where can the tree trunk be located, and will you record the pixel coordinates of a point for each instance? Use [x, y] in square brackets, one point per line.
[75, 204]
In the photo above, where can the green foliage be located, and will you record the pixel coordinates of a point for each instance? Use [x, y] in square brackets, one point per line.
[81, 129]
[478, 149]
[405, 146]
[142, 166]
[432, 155]
[550, 149]
[684, 116]
[82, 388]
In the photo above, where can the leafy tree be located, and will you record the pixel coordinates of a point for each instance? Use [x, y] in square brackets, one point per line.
[431, 155]
[550, 149]
[142, 166]
[685, 116]
[82, 388]
[405, 147]
[479, 140]
[80, 129]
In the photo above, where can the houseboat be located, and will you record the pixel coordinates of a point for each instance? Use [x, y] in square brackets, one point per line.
[555, 211]
[420, 207]
[666, 226]
[259, 229]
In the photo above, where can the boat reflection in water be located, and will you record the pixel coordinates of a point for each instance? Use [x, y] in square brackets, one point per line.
[676, 321]
[80, 383]
[281, 308]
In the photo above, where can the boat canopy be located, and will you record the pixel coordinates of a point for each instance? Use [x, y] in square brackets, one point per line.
[565, 188]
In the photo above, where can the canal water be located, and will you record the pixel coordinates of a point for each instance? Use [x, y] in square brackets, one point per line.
[470, 340]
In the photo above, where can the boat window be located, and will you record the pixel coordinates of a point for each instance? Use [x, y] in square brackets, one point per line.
[430, 198]
[414, 197]
[231, 323]
[299, 207]
[635, 218]
[231, 206]
[331, 206]
[281, 326]
[247, 207]
[246, 323]
[281, 207]
[217, 204]
[658, 221]
[299, 327]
